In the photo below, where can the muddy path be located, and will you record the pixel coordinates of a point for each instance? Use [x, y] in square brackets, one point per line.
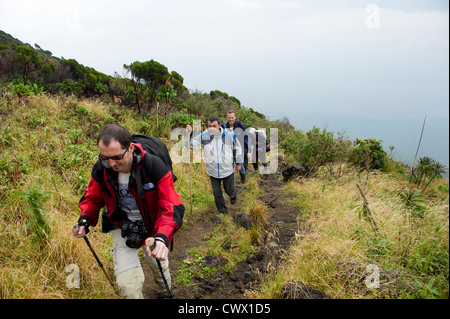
[281, 229]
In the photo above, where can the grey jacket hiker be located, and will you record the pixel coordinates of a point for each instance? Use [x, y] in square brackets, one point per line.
[220, 152]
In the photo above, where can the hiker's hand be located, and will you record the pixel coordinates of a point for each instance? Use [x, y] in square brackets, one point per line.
[160, 251]
[189, 129]
[156, 249]
[78, 231]
[238, 167]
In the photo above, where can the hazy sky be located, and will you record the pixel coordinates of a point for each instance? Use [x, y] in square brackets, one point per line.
[380, 59]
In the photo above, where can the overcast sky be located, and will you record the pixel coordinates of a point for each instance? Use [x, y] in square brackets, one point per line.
[377, 59]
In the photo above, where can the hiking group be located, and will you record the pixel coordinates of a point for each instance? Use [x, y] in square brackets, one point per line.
[133, 183]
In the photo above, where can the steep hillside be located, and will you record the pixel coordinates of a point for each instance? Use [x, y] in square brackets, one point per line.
[303, 228]
[327, 240]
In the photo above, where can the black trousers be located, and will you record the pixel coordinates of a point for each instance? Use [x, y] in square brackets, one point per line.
[228, 185]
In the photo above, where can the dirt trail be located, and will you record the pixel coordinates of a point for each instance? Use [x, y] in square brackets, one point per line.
[280, 232]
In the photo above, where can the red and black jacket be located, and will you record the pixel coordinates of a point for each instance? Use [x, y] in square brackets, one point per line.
[162, 210]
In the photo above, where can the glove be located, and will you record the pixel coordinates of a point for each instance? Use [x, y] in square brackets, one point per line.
[84, 221]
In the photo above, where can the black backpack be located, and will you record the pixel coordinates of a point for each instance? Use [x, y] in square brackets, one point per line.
[155, 146]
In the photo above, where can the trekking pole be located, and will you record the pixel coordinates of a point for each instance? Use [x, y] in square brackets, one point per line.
[190, 192]
[190, 180]
[150, 242]
[96, 258]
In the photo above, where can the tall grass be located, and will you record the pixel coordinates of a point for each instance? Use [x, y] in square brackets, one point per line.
[43, 171]
[411, 253]
[47, 150]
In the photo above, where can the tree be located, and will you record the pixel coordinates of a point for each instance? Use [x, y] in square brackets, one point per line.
[177, 81]
[165, 94]
[151, 73]
[427, 171]
[26, 60]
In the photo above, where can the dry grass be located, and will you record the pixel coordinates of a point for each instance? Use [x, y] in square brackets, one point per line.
[35, 137]
[334, 255]
[46, 145]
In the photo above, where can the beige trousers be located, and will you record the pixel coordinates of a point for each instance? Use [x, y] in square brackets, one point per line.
[128, 269]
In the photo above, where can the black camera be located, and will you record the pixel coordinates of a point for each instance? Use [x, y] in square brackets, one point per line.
[136, 233]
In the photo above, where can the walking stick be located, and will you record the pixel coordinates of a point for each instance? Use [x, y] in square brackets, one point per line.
[150, 242]
[96, 258]
[190, 179]
[190, 191]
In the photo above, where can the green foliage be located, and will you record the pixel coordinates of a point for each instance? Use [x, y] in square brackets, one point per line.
[181, 118]
[319, 148]
[414, 200]
[152, 73]
[427, 171]
[37, 225]
[100, 88]
[144, 127]
[27, 59]
[292, 143]
[75, 134]
[130, 94]
[165, 94]
[431, 258]
[431, 289]
[77, 155]
[369, 154]
[6, 38]
[22, 90]
[378, 246]
[229, 100]
[7, 172]
[68, 86]
[315, 148]
[177, 82]
[37, 90]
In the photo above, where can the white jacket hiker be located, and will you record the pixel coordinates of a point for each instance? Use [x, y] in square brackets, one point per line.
[220, 152]
[221, 149]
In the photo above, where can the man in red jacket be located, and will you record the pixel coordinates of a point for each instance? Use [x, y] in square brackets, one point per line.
[159, 213]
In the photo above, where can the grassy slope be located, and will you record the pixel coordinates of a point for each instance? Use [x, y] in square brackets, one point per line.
[48, 144]
[410, 251]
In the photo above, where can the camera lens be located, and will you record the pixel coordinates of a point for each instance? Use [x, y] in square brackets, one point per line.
[132, 243]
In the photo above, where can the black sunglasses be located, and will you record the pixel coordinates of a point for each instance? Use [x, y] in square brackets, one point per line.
[114, 158]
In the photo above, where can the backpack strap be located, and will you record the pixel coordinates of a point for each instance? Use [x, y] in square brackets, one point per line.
[140, 189]
[139, 185]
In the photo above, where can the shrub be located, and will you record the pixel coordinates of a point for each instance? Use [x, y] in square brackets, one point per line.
[369, 154]
[66, 87]
[37, 224]
[318, 149]
[315, 148]
[22, 90]
[427, 171]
